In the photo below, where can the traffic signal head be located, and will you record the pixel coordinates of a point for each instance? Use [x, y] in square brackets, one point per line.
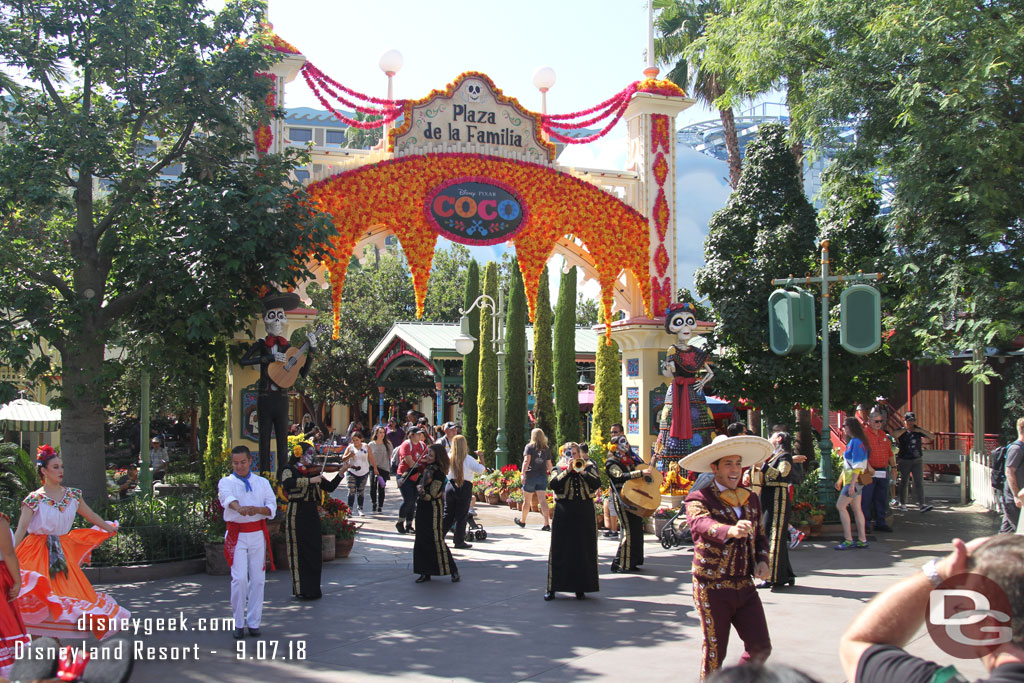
[860, 319]
[791, 327]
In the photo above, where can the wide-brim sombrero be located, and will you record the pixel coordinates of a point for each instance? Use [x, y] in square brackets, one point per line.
[752, 449]
[287, 300]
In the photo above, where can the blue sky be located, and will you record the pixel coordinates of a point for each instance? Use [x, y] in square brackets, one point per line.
[596, 49]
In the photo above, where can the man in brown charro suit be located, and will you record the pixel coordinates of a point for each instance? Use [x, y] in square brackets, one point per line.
[729, 547]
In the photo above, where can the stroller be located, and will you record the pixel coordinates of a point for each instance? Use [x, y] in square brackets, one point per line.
[671, 537]
[474, 529]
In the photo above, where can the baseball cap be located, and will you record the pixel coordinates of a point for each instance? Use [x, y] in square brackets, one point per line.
[449, 425]
[909, 416]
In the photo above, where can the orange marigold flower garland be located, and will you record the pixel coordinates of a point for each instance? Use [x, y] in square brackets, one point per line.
[392, 193]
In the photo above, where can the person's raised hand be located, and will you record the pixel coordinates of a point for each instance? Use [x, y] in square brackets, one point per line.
[956, 562]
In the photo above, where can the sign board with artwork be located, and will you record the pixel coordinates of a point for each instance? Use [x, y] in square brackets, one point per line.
[471, 116]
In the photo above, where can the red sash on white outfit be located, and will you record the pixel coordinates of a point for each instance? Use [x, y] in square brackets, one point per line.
[235, 528]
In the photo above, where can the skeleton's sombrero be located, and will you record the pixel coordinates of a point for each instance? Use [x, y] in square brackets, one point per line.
[752, 449]
[275, 299]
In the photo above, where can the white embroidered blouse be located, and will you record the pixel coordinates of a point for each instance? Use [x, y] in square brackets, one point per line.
[52, 517]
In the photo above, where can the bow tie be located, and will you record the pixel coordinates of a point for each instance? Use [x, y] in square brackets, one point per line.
[737, 498]
[271, 340]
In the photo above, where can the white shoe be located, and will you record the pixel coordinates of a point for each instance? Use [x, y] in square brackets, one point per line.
[356, 512]
[903, 508]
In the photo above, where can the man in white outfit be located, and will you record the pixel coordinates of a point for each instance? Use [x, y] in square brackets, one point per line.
[248, 503]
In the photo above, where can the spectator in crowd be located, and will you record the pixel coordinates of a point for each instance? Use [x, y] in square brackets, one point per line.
[380, 454]
[449, 430]
[759, 673]
[458, 492]
[396, 435]
[855, 460]
[1013, 488]
[537, 463]
[875, 496]
[158, 458]
[410, 460]
[871, 649]
[128, 482]
[910, 460]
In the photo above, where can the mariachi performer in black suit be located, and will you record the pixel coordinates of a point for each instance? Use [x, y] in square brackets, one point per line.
[272, 400]
[621, 466]
[777, 474]
[304, 485]
[430, 554]
[572, 560]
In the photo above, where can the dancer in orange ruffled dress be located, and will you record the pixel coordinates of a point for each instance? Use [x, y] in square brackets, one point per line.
[51, 554]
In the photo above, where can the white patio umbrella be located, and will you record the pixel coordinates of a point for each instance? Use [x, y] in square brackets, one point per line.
[23, 415]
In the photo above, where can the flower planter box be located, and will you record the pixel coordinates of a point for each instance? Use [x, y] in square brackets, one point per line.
[671, 501]
[493, 499]
[327, 548]
[279, 548]
[216, 563]
[343, 546]
[503, 497]
[512, 504]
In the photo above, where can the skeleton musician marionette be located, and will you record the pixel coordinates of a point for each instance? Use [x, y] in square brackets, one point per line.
[278, 371]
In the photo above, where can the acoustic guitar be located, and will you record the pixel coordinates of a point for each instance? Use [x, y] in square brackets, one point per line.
[642, 496]
[284, 373]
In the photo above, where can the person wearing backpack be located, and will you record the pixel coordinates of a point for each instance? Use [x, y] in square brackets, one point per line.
[1013, 487]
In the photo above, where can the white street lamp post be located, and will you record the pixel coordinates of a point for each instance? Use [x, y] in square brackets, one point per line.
[464, 345]
[390, 63]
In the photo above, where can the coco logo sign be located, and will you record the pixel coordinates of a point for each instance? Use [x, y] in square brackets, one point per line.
[475, 211]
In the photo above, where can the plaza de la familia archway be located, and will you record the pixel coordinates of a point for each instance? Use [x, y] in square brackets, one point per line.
[471, 164]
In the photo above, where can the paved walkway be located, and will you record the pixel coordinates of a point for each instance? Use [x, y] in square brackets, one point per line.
[375, 623]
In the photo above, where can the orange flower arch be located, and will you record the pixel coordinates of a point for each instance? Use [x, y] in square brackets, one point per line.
[392, 193]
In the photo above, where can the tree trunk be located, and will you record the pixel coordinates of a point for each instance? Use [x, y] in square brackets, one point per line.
[193, 432]
[804, 436]
[732, 145]
[754, 420]
[82, 421]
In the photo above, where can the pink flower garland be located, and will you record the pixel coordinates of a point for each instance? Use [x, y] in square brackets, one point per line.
[358, 95]
[322, 82]
[365, 125]
[615, 105]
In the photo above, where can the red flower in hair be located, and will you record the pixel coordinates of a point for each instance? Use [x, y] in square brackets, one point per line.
[44, 453]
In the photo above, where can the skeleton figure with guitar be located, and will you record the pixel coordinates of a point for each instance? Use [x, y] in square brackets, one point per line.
[280, 365]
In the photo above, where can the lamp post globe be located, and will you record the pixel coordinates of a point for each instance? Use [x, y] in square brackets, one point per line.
[391, 62]
[544, 78]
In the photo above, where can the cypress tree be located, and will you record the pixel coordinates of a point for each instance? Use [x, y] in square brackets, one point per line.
[567, 405]
[471, 363]
[515, 368]
[487, 391]
[607, 396]
[214, 461]
[543, 368]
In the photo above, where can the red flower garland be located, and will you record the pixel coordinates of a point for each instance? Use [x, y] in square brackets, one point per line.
[365, 125]
[393, 109]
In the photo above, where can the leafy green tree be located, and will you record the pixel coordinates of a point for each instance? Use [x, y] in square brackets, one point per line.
[487, 391]
[363, 138]
[543, 364]
[516, 422]
[588, 311]
[448, 274]
[685, 295]
[679, 25]
[471, 363]
[131, 197]
[851, 222]
[766, 230]
[923, 82]
[567, 404]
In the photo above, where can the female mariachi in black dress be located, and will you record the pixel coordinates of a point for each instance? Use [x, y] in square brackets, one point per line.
[572, 560]
[621, 467]
[776, 476]
[302, 524]
[430, 554]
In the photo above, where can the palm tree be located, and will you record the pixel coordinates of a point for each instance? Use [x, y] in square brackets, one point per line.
[679, 24]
